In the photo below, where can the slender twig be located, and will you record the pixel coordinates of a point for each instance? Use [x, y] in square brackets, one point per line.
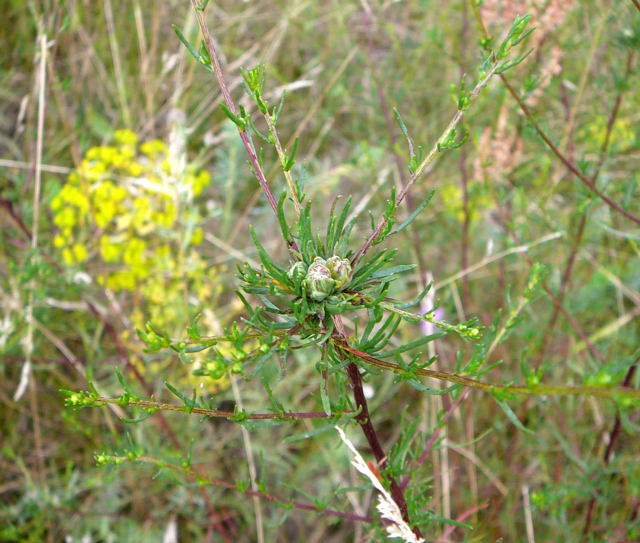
[554, 149]
[444, 538]
[435, 435]
[244, 136]
[271, 124]
[185, 470]
[8, 205]
[565, 160]
[566, 275]
[422, 168]
[531, 390]
[219, 413]
[162, 421]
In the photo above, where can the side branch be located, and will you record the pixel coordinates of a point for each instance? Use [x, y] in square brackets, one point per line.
[422, 168]
[533, 390]
[224, 88]
[159, 406]
[564, 159]
[205, 480]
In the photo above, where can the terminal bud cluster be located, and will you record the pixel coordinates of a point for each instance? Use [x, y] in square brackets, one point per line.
[322, 277]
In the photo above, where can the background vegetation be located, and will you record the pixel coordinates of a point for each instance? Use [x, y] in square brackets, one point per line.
[82, 265]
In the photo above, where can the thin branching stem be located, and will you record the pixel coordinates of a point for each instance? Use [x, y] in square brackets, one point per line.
[434, 436]
[580, 230]
[525, 390]
[282, 156]
[218, 413]
[228, 100]
[425, 164]
[589, 183]
[162, 422]
[206, 480]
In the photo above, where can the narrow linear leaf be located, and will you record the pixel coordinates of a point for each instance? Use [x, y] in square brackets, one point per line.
[239, 122]
[414, 214]
[512, 416]
[291, 159]
[185, 42]
[311, 433]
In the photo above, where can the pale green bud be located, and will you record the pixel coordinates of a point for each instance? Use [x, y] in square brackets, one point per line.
[297, 272]
[318, 283]
[340, 270]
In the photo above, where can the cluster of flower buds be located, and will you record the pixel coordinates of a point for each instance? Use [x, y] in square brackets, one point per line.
[322, 277]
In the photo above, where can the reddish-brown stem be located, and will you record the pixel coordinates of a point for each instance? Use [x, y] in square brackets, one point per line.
[369, 431]
[257, 493]
[566, 275]
[244, 136]
[559, 154]
[446, 534]
[565, 160]
[162, 421]
[16, 218]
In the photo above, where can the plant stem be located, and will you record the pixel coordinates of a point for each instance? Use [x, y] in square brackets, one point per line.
[566, 275]
[244, 136]
[422, 168]
[283, 157]
[231, 486]
[532, 390]
[555, 150]
[163, 423]
[435, 435]
[160, 406]
[368, 429]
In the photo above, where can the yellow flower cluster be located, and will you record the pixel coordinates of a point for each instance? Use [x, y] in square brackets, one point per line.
[622, 136]
[119, 205]
[452, 198]
[130, 220]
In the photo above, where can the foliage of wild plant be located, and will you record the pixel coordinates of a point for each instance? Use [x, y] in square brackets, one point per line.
[330, 295]
[303, 302]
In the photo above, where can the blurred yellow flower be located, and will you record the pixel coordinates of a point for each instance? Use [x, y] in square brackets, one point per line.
[124, 216]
